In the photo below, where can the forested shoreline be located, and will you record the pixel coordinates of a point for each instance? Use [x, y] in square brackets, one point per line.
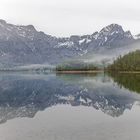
[129, 62]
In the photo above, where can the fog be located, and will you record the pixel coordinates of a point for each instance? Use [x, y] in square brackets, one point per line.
[108, 54]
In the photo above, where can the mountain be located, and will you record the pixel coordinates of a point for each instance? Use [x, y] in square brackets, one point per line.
[24, 45]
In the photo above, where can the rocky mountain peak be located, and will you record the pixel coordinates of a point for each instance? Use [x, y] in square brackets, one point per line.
[112, 29]
[128, 35]
[112, 35]
[30, 27]
[2, 21]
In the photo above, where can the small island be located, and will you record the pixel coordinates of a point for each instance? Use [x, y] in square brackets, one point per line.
[77, 67]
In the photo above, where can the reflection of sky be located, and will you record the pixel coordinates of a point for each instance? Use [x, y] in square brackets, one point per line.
[73, 123]
[25, 95]
[100, 82]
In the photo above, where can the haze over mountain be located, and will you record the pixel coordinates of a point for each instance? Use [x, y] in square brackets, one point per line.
[24, 45]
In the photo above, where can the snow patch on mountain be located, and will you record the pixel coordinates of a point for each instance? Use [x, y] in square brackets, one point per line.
[66, 44]
[81, 41]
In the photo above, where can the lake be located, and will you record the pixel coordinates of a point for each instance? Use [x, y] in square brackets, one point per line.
[69, 106]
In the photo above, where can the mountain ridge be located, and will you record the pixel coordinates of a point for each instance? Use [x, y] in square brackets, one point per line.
[23, 45]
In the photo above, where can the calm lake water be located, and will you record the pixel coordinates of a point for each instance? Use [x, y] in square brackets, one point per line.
[69, 107]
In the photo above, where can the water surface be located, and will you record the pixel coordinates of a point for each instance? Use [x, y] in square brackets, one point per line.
[69, 107]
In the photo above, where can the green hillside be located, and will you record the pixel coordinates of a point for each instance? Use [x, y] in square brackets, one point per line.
[129, 62]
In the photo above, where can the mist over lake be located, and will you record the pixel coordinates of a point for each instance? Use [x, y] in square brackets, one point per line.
[69, 70]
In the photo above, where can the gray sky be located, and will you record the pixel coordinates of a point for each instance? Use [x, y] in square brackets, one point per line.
[67, 17]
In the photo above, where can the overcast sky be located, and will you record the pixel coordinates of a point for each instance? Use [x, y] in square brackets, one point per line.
[67, 17]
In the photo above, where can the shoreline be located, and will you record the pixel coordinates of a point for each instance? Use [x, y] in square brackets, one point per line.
[95, 71]
[129, 72]
[79, 72]
[76, 71]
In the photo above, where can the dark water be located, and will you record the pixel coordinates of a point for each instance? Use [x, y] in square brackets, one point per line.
[69, 107]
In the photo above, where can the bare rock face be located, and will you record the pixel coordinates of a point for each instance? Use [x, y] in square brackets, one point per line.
[114, 35]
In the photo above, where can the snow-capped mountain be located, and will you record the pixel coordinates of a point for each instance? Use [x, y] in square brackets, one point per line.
[21, 45]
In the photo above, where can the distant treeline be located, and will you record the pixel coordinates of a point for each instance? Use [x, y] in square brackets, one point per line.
[129, 62]
[76, 66]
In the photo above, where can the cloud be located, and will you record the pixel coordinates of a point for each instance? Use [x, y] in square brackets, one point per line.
[65, 17]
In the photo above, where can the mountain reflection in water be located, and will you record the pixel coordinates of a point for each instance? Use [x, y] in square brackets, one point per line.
[25, 95]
